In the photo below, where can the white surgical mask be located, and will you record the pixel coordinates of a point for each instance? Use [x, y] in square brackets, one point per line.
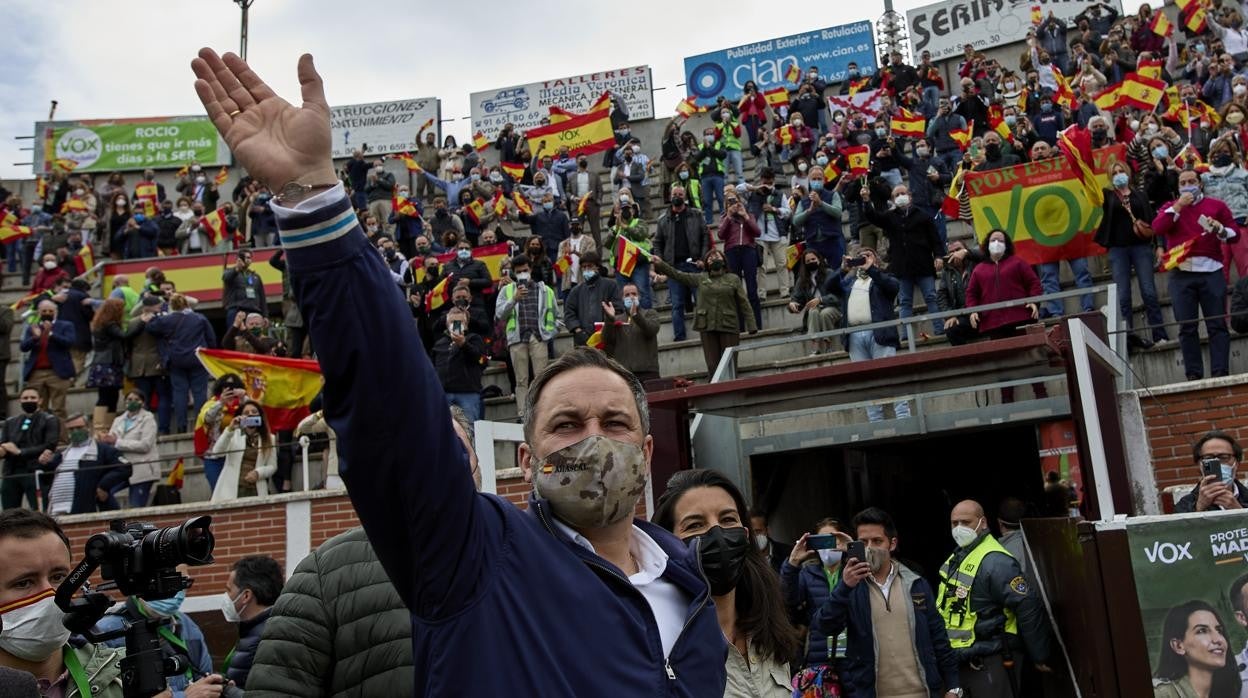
[902, 200]
[523, 276]
[34, 631]
[996, 248]
[964, 535]
[229, 610]
[760, 539]
[830, 558]
[49, 265]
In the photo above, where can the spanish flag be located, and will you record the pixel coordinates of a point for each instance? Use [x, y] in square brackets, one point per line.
[1064, 96]
[177, 475]
[85, 259]
[950, 207]
[522, 204]
[1194, 18]
[403, 206]
[595, 340]
[587, 133]
[831, 172]
[908, 124]
[785, 136]
[11, 232]
[283, 387]
[74, 205]
[66, 164]
[563, 264]
[793, 255]
[439, 295]
[183, 171]
[1037, 15]
[962, 136]
[855, 86]
[1177, 255]
[793, 74]
[500, 204]
[222, 175]
[21, 302]
[582, 205]
[1139, 91]
[426, 125]
[200, 436]
[996, 122]
[513, 170]
[1108, 98]
[1187, 157]
[687, 107]
[777, 97]
[1161, 25]
[1150, 68]
[558, 114]
[475, 210]
[479, 141]
[859, 158]
[148, 193]
[626, 254]
[214, 226]
[410, 162]
[1076, 144]
[41, 189]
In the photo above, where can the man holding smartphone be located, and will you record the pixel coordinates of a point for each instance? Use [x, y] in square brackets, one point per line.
[459, 357]
[1217, 454]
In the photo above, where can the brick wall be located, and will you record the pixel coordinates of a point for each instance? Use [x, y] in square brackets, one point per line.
[1175, 416]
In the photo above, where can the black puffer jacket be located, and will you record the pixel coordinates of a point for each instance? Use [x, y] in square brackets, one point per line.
[338, 629]
[241, 659]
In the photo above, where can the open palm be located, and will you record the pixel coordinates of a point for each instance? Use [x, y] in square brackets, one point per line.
[275, 141]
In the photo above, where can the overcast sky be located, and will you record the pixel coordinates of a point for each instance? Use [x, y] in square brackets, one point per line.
[129, 58]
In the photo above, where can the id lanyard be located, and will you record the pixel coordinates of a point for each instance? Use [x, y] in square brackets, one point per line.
[172, 638]
[76, 672]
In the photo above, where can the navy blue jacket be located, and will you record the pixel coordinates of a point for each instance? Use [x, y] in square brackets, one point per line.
[59, 342]
[850, 609]
[180, 334]
[884, 288]
[501, 603]
[805, 591]
[92, 474]
[78, 315]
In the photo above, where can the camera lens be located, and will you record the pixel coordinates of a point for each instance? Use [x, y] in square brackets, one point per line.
[190, 543]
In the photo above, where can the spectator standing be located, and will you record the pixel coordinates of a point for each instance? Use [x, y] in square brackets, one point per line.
[144, 367]
[292, 319]
[243, 290]
[49, 366]
[429, 157]
[1126, 232]
[576, 245]
[769, 209]
[249, 452]
[379, 191]
[632, 337]
[549, 224]
[357, 170]
[1227, 181]
[459, 357]
[1198, 286]
[807, 579]
[27, 437]
[955, 276]
[586, 185]
[682, 237]
[738, 232]
[181, 332]
[636, 231]
[728, 132]
[216, 414]
[868, 294]
[253, 587]
[134, 435]
[107, 372]
[1001, 277]
[817, 296]
[6, 354]
[721, 307]
[49, 275]
[708, 164]
[86, 471]
[914, 248]
[582, 310]
[818, 217]
[527, 308]
[247, 335]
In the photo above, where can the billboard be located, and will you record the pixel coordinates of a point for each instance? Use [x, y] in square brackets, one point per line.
[945, 27]
[105, 145]
[765, 62]
[387, 127]
[526, 105]
[1191, 580]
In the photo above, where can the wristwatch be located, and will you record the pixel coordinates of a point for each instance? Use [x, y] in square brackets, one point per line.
[955, 691]
[294, 192]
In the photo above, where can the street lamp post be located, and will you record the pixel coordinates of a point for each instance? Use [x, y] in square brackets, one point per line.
[243, 5]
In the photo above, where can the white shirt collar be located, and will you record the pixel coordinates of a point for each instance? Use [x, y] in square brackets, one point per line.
[888, 581]
[651, 559]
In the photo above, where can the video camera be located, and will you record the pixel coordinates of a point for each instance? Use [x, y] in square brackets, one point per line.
[136, 559]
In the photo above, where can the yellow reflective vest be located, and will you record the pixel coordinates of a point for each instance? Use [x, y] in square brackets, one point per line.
[954, 597]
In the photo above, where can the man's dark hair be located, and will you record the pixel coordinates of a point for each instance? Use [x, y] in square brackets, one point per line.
[262, 574]
[829, 521]
[591, 258]
[767, 173]
[520, 260]
[226, 380]
[758, 513]
[1052, 477]
[1217, 434]
[1010, 512]
[874, 516]
[1237, 593]
[27, 524]
[583, 357]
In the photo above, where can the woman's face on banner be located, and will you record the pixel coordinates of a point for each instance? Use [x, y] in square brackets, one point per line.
[1204, 644]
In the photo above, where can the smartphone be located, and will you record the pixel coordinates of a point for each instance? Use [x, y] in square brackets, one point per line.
[457, 326]
[825, 541]
[857, 550]
[857, 261]
[1211, 466]
[255, 421]
[975, 151]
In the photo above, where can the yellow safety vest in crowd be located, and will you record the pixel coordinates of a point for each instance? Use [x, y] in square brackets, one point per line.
[954, 597]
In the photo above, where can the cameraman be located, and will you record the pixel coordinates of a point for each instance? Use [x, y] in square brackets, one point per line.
[182, 637]
[1219, 491]
[34, 559]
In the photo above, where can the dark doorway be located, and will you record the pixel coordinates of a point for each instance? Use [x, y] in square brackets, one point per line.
[917, 481]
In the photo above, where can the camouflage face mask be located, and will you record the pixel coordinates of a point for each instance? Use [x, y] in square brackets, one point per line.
[593, 483]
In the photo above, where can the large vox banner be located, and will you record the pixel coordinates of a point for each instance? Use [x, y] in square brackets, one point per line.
[1190, 572]
[1041, 205]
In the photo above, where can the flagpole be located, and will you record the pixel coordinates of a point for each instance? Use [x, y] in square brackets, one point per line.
[243, 5]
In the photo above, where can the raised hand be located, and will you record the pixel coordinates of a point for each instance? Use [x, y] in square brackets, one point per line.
[274, 141]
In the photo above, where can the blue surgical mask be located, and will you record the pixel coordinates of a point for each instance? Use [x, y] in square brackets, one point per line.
[816, 184]
[1161, 152]
[880, 131]
[1010, 120]
[139, 218]
[629, 302]
[589, 274]
[1046, 107]
[821, 160]
[684, 174]
[1120, 180]
[548, 205]
[168, 607]
[464, 255]
[1190, 189]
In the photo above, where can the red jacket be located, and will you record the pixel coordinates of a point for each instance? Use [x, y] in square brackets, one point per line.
[1007, 280]
[1187, 226]
[46, 280]
[736, 232]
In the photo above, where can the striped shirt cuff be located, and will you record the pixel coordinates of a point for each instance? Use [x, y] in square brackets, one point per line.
[316, 220]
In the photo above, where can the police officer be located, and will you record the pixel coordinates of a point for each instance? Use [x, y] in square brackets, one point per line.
[989, 609]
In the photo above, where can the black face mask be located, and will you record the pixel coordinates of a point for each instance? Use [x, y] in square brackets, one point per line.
[721, 553]
[462, 302]
[30, 407]
[1221, 160]
[47, 318]
[626, 214]
[678, 202]
[717, 265]
[1098, 136]
[992, 151]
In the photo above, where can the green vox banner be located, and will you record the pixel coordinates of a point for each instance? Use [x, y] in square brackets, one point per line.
[104, 145]
[1191, 577]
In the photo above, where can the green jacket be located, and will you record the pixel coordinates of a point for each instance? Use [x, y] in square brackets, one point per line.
[102, 666]
[338, 629]
[634, 231]
[721, 299]
[547, 324]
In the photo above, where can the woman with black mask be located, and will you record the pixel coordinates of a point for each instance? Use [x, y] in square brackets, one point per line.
[708, 512]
